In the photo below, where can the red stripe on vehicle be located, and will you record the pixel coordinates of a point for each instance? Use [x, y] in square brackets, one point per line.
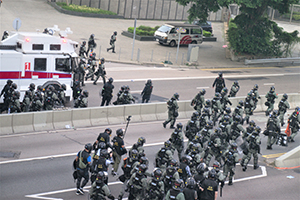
[29, 74]
[186, 40]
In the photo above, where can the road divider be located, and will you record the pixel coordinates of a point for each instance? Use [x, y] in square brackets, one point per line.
[289, 160]
[97, 116]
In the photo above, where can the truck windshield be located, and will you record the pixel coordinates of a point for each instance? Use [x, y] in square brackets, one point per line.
[63, 64]
[164, 29]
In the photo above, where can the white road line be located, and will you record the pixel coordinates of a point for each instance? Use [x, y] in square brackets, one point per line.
[269, 83]
[201, 88]
[39, 196]
[136, 91]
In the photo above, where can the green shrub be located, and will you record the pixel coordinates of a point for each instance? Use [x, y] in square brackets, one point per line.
[143, 30]
[130, 29]
[206, 33]
[296, 17]
[84, 9]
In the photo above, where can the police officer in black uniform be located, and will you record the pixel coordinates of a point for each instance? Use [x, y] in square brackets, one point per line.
[190, 190]
[146, 93]
[119, 150]
[105, 138]
[107, 91]
[219, 83]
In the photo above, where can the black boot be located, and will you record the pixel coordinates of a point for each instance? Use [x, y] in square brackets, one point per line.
[230, 182]
[255, 167]
[164, 124]
[269, 147]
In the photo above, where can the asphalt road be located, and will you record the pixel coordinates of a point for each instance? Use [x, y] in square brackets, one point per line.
[187, 82]
[43, 168]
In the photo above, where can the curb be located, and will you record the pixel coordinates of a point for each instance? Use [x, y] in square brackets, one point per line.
[82, 14]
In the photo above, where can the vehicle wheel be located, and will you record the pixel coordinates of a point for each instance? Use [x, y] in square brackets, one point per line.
[194, 42]
[161, 43]
[172, 43]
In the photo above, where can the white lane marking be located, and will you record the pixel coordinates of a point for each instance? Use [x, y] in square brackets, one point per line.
[136, 91]
[201, 88]
[39, 196]
[269, 83]
[202, 77]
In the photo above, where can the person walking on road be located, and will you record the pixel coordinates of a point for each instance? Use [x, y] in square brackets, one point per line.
[146, 93]
[112, 41]
[270, 96]
[83, 160]
[283, 105]
[172, 111]
[100, 72]
[107, 91]
[118, 150]
[219, 83]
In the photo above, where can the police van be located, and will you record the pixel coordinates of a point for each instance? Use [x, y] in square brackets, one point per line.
[168, 34]
[39, 58]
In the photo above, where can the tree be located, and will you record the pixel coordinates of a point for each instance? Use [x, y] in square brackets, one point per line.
[251, 32]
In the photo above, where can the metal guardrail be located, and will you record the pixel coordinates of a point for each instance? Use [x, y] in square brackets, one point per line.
[273, 60]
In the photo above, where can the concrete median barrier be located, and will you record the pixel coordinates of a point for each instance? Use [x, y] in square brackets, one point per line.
[115, 115]
[148, 112]
[81, 117]
[290, 159]
[182, 109]
[43, 121]
[99, 116]
[161, 111]
[22, 122]
[134, 111]
[62, 119]
[6, 124]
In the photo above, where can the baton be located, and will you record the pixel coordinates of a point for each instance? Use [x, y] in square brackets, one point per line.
[128, 120]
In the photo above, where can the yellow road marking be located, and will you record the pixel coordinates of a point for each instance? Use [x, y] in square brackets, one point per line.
[273, 155]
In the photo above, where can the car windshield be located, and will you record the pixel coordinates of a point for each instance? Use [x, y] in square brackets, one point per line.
[164, 29]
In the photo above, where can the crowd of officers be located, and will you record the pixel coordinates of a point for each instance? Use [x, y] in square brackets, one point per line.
[212, 132]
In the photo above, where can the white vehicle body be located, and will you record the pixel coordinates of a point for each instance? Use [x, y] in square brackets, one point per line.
[167, 34]
[42, 59]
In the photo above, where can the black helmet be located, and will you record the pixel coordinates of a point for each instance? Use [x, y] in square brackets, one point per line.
[14, 86]
[149, 82]
[115, 33]
[167, 144]
[108, 130]
[120, 132]
[104, 153]
[92, 35]
[255, 87]
[218, 130]
[212, 173]
[102, 175]
[275, 113]
[142, 168]
[84, 43]
[88, 147]
[178, 184]
[225, 90]
[285, 96]
[16, 94]
[40, 88]
[64, 87]
[176, 96]
[241, 103]
[238, 118]
[207, 102]
[134, 154]
[157, 174]
[201, 168]
[101, 145]
[51, 88]
[217, 94]
[236, 83]
[191, 183]
[32, 86]
[110, 80]
[257, 129]
[173, 163]
[220, 74]
[102, 60]
[252, 123]
[86, 93]
[228, 110]
[195, 114]
[297, 108]
[186, 159]
[234, 146]
[272, 89]
[141, 141]
[203, 91]
[195, 147]
[209, 124]
[9, 81]
[179, 126]
[144, 160]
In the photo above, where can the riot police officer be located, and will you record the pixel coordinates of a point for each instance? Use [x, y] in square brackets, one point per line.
[172, 110]
[126, 97]
[155, 188]
[170, 175]
[177, 141]
[190, 190]
[112, 41]
[255, 95]
[82, 50]
[234, 89]
[119, 150]
[137, 184]
[283, 105]
[100, 72]
[219, 83]
[81, 71]
[91, 43]
[270, 96]
[164, 156]
[199, 101]
[61, 94]
[8, 90]
[99, 189]
[248, 107]
[82, 100]
[294, 121]
[105, 138]
[91, 65]
[76, 90]
[216, 107]
[50, 98]
[224, 98]
[184, 169]
[176, 191]
[100, 164]
[231, 158]
[273, 129]
[107, 91]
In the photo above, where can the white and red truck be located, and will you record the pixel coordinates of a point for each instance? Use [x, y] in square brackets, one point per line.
[39, 58]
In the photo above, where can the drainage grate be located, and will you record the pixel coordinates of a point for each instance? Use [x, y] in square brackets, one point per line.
[9, 154]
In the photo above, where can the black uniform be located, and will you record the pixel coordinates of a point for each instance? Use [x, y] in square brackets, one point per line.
[219, 83]
[210, 187]
[146, 93]
[107, 91]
